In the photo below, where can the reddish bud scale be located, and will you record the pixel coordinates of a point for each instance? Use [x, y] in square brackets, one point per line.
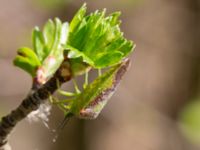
[40, 75]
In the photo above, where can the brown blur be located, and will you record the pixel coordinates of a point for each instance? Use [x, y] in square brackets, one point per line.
[144, 112]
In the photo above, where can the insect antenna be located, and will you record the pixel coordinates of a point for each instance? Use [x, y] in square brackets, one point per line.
[64, 121]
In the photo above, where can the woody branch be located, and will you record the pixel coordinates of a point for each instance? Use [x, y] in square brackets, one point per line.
[33, 101]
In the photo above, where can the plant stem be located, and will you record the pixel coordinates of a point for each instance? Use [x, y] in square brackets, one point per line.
[33, 101]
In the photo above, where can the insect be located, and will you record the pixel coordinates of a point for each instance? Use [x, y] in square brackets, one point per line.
[89, 103]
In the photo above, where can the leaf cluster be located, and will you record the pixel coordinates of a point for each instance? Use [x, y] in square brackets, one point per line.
[93, 40]
[97, 38]
[47, 44]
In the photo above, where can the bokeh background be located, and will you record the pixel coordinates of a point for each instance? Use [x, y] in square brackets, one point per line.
[156, 107]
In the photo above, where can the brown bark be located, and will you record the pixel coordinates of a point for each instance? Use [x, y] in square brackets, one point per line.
[33, 101]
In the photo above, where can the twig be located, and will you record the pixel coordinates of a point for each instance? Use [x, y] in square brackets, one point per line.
[33, 101]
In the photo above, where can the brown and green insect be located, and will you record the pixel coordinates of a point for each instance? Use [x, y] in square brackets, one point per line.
[89, 103]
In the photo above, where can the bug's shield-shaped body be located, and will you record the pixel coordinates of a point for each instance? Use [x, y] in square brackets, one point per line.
[92, 100]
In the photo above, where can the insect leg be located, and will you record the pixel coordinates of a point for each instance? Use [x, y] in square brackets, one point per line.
[52, 99]
[62, 92]
[76, 87]
[64, 104]
[86, 80]
[65, 93]
[62, 101]
[99, 72]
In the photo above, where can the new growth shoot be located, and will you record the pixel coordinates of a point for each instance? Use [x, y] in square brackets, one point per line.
[62, 51]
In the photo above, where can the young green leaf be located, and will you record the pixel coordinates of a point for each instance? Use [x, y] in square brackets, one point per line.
[97, 38]
[27, 60]
[38, 43]
[55, 56]
[48, 47]
[48, 31]
[78, 18]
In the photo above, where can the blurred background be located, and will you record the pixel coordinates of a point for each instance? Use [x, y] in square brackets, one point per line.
[157, 105]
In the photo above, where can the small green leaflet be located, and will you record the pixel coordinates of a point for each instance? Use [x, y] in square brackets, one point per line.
[47, 52]
[27, 60]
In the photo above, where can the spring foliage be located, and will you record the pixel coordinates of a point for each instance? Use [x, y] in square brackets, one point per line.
[89, 41]
[94, 37]
[97, 38]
